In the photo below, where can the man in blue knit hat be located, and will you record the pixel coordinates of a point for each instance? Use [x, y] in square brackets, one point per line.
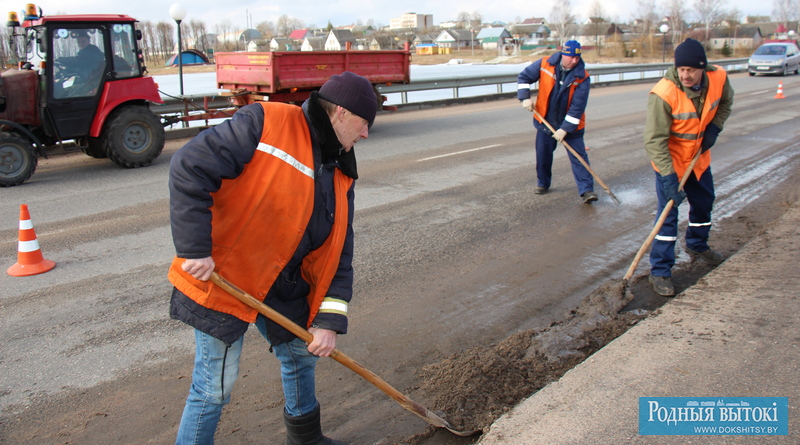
[563, 94]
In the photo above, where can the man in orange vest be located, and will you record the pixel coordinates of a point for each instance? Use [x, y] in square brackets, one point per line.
[563, 93]
[266, 199]
[685, 113]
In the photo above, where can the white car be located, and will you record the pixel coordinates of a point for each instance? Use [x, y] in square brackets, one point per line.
[775, 58]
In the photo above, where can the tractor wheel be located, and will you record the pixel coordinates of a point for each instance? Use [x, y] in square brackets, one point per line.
[133, 136]
[17, 159]
[95, 148]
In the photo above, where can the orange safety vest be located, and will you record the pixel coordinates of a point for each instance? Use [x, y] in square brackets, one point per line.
[687, 130]
[547, 81]
[259, 219]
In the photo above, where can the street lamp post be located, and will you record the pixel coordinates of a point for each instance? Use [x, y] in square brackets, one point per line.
[178, 12]
[664, 30]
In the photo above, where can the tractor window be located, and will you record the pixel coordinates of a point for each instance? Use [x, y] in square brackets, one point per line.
[124, 47]
[79, 61]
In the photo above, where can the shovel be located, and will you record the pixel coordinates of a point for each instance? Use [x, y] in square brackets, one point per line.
[337, 355]
[580, 158]
[659, 222]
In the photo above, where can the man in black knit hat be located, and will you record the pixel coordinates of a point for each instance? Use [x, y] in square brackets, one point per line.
[686, 111]
[266, 199]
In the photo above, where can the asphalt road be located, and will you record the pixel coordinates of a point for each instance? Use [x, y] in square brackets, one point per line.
[453, 250]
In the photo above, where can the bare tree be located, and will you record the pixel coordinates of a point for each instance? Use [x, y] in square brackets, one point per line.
[192, 33]
[463, 19]
[676, 11]
[477, 18]
[165, 39]
[709, 11]
[733, 16]
[646, 12]
[199, 33]
[784, 11]
[267, 30]
[223, 31]
[561, 17]
[285, 25]
[597, 14]
[148, 39]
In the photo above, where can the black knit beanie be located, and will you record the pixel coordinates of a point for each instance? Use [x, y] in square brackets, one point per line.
[353, 92]
[690, 53]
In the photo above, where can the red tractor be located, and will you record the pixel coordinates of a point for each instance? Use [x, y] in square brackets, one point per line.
[80, 85]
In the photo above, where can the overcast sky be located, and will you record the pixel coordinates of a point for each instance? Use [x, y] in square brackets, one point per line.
[240, 13]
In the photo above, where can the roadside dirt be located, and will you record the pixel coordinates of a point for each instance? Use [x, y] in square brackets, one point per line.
[473, 387]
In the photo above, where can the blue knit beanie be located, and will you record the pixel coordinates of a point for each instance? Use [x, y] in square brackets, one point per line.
[352, 92]
[571, 48]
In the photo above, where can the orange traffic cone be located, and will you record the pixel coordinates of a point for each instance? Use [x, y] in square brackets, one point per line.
[780, 91]
[29, 257]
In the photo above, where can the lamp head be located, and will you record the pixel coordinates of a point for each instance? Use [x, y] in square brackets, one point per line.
[177, 12]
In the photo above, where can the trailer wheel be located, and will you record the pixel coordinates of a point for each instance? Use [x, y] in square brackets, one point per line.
[133, 136]
[95, 148]
[17, 159]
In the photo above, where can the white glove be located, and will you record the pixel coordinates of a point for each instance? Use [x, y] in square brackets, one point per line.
[559, 136]
[527, 104]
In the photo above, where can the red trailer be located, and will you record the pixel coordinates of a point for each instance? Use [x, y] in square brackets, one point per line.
[290, 76]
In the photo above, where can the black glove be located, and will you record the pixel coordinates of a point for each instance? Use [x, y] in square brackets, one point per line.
[670, 184]
[710, 136]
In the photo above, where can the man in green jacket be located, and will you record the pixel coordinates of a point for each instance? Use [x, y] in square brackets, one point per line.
[686, 111]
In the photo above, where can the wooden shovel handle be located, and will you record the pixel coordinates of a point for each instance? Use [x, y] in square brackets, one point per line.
[337, 355]
[579, 157]
[660, 221]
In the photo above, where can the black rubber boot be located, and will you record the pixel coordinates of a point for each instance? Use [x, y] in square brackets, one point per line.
[306, 430]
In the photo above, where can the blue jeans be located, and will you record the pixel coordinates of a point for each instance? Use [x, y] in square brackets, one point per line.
[216, 368]
[297, 373]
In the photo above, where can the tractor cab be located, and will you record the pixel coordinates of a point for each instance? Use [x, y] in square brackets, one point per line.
[76, 56]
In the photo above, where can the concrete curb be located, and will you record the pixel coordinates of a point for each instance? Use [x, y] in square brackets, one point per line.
[734, 334]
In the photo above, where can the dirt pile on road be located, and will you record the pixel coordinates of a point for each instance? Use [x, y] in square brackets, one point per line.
[474, 387]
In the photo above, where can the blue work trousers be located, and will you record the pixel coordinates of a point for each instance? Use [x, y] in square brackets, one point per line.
[700, 195]
[546, 146]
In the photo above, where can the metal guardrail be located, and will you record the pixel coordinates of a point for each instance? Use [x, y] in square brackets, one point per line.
[600, 76]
